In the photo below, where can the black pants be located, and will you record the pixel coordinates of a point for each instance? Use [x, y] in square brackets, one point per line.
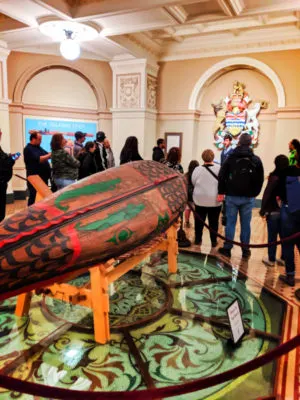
[213, 214]
[3, 188]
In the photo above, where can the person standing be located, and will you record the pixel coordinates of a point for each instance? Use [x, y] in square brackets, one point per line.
[78, 144]
[87, 160]
[130, 151]
[36, 162]
[100, 153]
[270, 208]
[205, 181]
[289, 195]
[65, 167]
[293, 145]
[158, 151]
[6, 171]
[109, 154]
[187, 213]
[240, 179]
[227, 149]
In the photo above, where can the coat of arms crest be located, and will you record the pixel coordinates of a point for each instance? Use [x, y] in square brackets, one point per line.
[236, 114]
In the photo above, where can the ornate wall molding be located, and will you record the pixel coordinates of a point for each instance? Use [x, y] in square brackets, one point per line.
[128, 90]
[219, 68]
[151, 92]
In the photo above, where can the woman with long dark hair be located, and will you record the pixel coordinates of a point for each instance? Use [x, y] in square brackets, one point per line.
[173, 159]
[65, 167]
[271, 209]
[130, 151]
[192, 165]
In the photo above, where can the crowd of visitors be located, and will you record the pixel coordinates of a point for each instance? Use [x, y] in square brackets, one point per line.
[231, 186]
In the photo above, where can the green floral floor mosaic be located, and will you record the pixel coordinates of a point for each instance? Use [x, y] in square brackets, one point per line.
[176, 325]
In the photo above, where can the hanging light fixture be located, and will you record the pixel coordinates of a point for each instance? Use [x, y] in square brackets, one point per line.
[70, 34]
[69, 48]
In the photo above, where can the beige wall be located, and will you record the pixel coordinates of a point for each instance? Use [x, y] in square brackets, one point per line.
[177, 80]
[45, 86]
[100, 72]
[60, 88]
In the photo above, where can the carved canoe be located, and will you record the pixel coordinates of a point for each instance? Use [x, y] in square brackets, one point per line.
[89, 222]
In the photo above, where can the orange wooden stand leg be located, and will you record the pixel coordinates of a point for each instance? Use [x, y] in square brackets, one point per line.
[23, 304]
[100, 304]
[172, 249]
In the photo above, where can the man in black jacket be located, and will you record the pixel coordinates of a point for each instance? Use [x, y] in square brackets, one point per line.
[6, 170]
[240, 179]
[158, 153]
[100, 152]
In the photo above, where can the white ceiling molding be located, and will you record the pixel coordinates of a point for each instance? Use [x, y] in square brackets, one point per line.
[219, 68]
[232, 7]
[178, 13]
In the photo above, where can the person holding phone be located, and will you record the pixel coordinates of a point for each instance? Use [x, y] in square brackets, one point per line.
[6, 170]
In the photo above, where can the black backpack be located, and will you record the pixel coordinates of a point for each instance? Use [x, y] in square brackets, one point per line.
[6, 167]
[244, 175]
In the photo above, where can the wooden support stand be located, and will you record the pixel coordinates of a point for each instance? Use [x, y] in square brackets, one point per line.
[97, 296]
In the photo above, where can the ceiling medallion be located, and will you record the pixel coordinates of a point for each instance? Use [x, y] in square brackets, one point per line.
[70, 34]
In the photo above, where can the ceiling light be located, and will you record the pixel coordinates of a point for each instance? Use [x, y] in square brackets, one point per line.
[69, 48]
[70, 34]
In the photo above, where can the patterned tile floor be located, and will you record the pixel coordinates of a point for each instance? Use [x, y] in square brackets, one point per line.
[55, 345]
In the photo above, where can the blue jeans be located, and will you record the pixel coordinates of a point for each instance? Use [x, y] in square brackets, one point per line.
[274, 229]
[290, 224]
[62, 182]
[243, 206]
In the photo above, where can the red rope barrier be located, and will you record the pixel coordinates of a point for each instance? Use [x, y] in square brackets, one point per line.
[35, 389]
[256, 246]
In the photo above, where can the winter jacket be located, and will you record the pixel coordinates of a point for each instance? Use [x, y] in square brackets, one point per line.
[64, 165]
[228, 185]
[176, 167]
[6, 167]
[290, 171]
[157, 154]
[269, 203]
[88, 164]
[292, 157]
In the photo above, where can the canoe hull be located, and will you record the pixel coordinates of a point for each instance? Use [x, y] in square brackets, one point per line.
[87, 223]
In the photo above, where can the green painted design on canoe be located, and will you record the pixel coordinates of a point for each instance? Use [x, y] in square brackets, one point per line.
[87, 190]
[162, 221]
[125, 214]
[122, 236]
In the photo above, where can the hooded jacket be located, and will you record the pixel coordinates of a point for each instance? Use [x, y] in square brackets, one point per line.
[157, 154]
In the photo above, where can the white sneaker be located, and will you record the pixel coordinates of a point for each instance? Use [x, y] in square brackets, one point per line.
[266, 261]
[280, 262]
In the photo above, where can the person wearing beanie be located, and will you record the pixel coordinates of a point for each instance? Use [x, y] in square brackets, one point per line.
[100, 153]
[240, 180]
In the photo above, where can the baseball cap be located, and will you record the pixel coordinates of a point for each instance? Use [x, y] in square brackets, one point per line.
[100, 136]
[79, 135]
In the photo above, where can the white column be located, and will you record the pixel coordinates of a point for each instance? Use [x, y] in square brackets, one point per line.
[134, 105]
[4, 103]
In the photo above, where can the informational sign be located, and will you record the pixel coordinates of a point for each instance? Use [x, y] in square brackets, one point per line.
[236, 321]
[48, 127]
